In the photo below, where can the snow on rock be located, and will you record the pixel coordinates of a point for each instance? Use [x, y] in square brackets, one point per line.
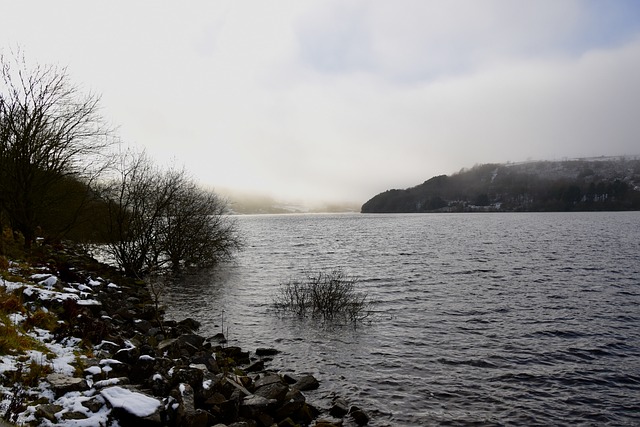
[106, 383]
[65, 356]
[47, 294]
[12, 286]
[110, 362]
[132, 402]
[73, 402]
[93, 370]
[17, 318]
[92, 282]
[83, 288]
[49, 282]
[87, 302]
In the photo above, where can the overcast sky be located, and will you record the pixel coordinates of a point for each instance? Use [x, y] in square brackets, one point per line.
[339, 100]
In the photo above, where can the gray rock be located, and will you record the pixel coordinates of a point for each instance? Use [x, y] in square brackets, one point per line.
[328, 423]
[188, 375]
[61, 384]
[94, 404]
[132, 407]
[256, 366]
[268, 379]
[306, 383]
[187, 414]
[252, 406]
[339, 408]
[74, 416]
[293, 402]
[266, 351]
[48, 411]
[359, 416]
[189, 324]
[274, 391]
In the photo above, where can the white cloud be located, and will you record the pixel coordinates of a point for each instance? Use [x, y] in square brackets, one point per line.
[343, 99]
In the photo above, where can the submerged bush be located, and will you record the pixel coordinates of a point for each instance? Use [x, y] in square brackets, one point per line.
[327, 295]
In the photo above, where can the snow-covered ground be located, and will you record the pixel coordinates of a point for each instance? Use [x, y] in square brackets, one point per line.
[60, 357]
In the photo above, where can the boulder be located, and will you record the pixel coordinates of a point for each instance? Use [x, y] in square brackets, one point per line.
[191, 341]
[185, 345]
[339, 408]
[114, 368]
[62, 384]
[221, 408]
[266, 351]
[252, 406]
[256, 366]
[127, 355]
[274, 391]
[187, 415]
[94, 404]
[328, 423]
[359, 416]
[48, 411]
[267, 379]
[306, 383]
[133, 407]
[236, 353]
[73, 415]
[188, 375]
[294, 400]
[189, 325]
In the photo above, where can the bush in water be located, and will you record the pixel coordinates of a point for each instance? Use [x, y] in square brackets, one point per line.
[327, 295]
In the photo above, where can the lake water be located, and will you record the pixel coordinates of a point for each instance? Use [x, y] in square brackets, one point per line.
[481, 319]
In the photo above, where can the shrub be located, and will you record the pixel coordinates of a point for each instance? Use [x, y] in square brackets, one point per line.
[13, 340]
[41, 319]
[11, 303]
[327, 295]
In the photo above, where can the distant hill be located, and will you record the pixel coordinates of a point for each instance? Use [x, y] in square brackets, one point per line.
[251, 204]
[603, 183]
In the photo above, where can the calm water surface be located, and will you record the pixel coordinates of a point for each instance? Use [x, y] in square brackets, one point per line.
[485, 319]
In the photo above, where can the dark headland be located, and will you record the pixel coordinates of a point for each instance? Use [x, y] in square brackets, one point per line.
[594, 184]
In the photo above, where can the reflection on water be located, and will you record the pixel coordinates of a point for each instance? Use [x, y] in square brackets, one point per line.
[487, 318]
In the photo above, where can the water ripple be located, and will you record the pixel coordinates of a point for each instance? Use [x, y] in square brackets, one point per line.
[505, 319]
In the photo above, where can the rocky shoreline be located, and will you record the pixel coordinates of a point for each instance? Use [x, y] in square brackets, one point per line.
[113, 359]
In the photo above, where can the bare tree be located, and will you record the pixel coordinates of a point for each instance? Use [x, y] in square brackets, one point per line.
[136, 200]
[160, 217]
[49, 130]
[198, 230]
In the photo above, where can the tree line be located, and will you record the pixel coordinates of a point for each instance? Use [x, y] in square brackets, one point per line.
[65, 174]
[577, 185]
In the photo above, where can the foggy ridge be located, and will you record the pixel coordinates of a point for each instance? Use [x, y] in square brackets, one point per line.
[603, 183]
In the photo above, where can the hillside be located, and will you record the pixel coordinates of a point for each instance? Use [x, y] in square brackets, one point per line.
[604, 183]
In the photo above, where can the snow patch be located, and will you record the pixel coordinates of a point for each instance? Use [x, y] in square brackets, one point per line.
[87, 302]
[93, 370]
[137, 404]
[84, 288]
[106, 383]
[92, 282]
[48, 282]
